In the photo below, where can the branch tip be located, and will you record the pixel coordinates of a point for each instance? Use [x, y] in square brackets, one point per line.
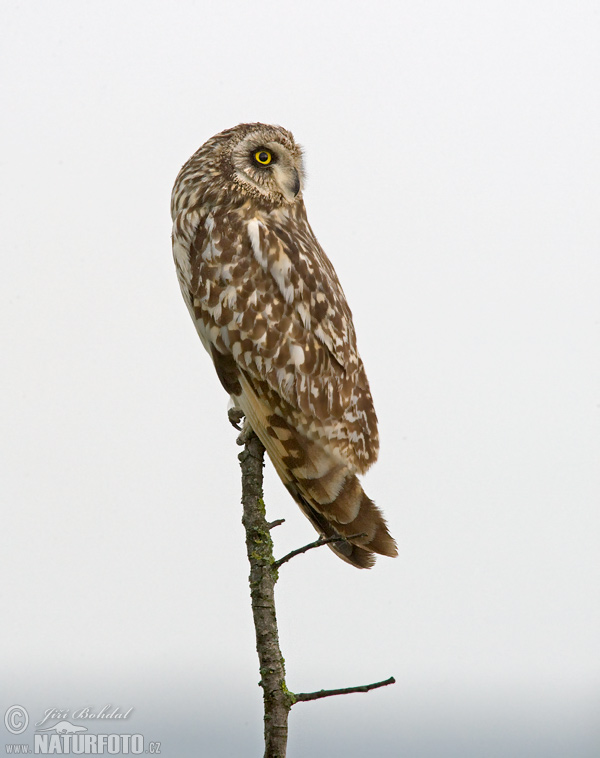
[303, 696]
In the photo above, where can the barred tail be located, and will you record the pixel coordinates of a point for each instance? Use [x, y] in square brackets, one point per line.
[351, 514]
[325, 488]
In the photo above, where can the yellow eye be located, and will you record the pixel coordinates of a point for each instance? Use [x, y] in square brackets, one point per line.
[263, 157]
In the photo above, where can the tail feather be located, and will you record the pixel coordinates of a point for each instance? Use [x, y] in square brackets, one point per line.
[347, 551]
[326, 489]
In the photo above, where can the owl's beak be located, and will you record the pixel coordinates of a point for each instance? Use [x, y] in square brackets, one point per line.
[296, 185]
[288, 181]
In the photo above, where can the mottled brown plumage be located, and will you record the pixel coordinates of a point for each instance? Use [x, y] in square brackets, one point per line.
[272, 314]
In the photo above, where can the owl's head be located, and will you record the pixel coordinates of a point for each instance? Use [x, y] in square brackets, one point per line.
[249, 161]
[266, 160]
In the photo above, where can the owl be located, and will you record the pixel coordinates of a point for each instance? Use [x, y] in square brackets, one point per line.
[271, 313]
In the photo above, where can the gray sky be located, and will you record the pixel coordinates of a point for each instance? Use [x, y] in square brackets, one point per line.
[453, 164]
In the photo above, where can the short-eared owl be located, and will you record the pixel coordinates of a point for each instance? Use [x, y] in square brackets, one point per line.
[272, 314]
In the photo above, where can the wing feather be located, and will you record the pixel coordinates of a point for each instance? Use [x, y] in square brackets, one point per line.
[305, 349]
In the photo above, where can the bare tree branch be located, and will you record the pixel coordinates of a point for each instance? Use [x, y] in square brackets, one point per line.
[263, 574]
[317, 543]
[276, 697]
[345, 691]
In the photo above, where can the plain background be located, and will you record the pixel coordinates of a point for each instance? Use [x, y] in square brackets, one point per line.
[453, 164]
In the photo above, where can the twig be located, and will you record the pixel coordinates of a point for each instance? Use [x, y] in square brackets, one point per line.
[345, 691]
[273, 524]
[317, 543]
[276, 697]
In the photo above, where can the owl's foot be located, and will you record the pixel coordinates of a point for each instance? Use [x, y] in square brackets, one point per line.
[246, 434]
[235, 416]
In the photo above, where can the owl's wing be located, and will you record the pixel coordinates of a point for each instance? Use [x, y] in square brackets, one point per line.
[288, 250]
[270, 310]
[317, 327]
[264, 292]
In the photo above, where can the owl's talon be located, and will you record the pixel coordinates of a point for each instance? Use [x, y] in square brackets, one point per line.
[235, 416]
[245, 434]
